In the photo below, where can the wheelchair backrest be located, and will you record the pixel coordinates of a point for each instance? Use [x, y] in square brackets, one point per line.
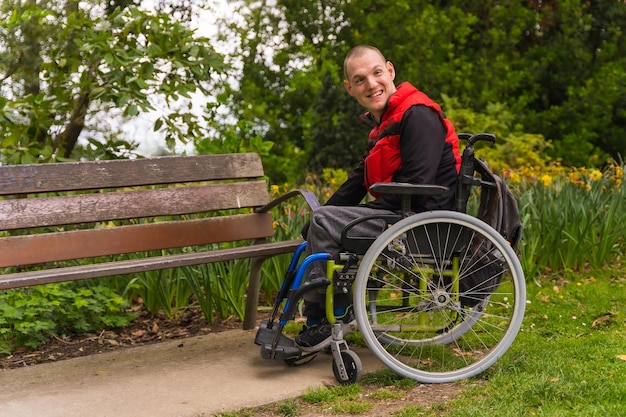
[498, 206]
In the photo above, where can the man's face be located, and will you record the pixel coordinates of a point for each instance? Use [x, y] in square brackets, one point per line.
[370, 81]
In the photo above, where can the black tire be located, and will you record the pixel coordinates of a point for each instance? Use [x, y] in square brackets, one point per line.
[353, 365]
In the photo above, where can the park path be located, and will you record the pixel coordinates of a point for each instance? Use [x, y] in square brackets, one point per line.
[193, 377]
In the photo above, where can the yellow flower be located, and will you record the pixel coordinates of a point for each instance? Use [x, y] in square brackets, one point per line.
[595, 175]
[573, 177]
[546, 179]
[514, 177]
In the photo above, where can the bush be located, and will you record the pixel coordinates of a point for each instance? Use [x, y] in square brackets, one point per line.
[30, 316]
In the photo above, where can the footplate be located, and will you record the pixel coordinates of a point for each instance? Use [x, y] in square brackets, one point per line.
[275, 345]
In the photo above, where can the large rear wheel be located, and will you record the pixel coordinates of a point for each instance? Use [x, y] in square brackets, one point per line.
[439, 296]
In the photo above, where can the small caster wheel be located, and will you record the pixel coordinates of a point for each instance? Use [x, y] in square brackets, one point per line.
[353, 368]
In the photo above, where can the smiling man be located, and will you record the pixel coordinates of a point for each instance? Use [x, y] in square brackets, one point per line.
[411, 141]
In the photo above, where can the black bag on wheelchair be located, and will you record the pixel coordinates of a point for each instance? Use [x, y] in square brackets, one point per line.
[498, 208]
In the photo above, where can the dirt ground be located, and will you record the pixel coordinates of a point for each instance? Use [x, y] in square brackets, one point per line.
[147, 329]
[143, 330]
[421, 397]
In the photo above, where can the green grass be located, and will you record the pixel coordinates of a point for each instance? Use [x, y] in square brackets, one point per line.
[568, 360]
[409, 411]
[288, 408]
[342, 399]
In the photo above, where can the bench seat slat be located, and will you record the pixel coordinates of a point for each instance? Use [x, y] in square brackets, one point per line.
[40, 178]
[89, 243]
[86, 208]
[48, 276]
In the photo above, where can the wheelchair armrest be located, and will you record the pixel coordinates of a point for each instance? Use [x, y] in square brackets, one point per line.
[405, 188]
[309, 197]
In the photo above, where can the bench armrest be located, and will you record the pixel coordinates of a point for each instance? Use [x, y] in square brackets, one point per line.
[309, 197]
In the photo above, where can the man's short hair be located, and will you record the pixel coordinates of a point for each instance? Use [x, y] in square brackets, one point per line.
[358, 51]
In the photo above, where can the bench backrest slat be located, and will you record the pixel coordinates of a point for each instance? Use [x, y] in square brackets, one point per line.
[85, 208]
[78, 210]
[41, 178]
[79, 244]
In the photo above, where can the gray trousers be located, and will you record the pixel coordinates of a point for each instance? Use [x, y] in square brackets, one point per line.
[324, 236]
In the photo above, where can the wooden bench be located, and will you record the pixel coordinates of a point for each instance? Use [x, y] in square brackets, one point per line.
[113, 202]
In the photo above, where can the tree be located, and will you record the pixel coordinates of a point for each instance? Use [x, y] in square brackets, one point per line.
[63, 62]
[582, 51]
[557, 66]
[289, 86]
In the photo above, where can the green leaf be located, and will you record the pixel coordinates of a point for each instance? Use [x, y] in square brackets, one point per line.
[131, 110]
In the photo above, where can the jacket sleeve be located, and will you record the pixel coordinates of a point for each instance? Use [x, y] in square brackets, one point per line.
[422, 141]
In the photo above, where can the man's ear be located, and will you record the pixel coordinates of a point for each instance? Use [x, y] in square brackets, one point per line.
[391, 69]
[348, 88]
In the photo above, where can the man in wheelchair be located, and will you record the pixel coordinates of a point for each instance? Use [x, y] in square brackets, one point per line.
[411, 141]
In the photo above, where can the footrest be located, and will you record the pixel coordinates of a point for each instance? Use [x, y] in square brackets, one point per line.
[266, 336]
[285, 350]
[281, 353]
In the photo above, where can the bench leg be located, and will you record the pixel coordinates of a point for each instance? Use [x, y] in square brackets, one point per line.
[252, 296]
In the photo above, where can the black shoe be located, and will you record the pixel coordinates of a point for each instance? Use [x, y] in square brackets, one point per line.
[318, 337]
[315, 338]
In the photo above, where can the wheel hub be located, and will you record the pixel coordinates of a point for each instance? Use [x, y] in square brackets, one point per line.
[441, 298]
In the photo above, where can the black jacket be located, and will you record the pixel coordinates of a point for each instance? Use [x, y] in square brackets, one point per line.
[426, 159]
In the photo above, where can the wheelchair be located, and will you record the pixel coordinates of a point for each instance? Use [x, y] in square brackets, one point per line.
[438, 296]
